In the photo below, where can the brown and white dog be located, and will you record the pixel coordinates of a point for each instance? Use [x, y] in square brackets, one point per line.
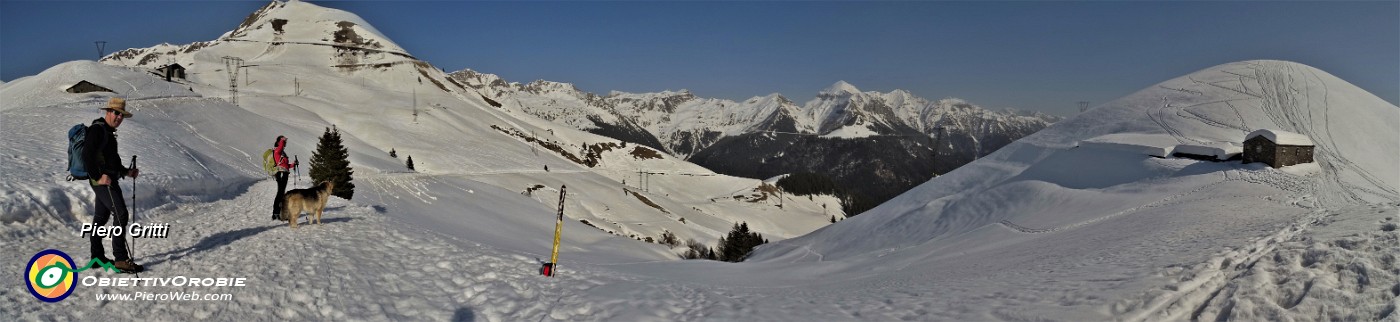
[310, 200]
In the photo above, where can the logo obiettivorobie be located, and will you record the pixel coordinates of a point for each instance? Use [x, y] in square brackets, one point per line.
[50, 275]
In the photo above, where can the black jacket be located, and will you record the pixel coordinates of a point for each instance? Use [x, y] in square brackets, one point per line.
[100, 152]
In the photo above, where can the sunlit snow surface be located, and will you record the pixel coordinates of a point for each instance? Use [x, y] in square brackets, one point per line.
[1045, 228]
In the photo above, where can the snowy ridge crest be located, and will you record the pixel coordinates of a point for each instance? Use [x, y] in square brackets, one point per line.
[686, 123]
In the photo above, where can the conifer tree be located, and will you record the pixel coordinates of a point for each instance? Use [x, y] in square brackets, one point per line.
[331, 163]
[393, 154]
[410, 162]
[737, 245]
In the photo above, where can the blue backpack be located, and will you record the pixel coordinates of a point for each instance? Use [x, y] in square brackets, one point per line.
[76, 135]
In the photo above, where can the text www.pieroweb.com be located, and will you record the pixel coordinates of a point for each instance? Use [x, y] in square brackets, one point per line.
[178, 281]
[167, 296]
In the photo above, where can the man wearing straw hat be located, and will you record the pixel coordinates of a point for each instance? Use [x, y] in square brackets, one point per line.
[105, 166]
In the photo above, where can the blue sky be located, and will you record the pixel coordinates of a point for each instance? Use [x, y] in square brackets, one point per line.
[1043, 56]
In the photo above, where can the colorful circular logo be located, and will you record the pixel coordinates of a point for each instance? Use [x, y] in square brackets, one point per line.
[50, 275]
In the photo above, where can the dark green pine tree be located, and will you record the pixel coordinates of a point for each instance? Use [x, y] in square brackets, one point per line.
[737, 245]
[331, 163]
[393, 154]
[410, 162]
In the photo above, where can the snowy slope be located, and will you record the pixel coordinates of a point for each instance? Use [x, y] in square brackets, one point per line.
[297, 79]
[198, 146]
[1038, 230]
[29, 91]
[1031, 209]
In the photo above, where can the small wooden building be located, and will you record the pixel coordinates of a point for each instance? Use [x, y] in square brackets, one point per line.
[171, 71]
[1277, 148]
[86, 87]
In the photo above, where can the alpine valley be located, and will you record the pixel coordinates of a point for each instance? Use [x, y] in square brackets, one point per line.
[875, 145]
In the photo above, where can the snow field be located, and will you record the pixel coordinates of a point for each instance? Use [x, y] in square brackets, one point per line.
[358, 264]
[1038, 230]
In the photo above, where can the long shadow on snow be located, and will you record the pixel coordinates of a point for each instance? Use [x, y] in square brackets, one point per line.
[377, 208]
[225, 238]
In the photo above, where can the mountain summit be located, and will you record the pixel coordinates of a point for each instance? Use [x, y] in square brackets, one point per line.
[283, 32]
[840, 88]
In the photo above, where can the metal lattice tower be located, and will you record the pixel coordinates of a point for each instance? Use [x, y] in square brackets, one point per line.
[232, 64]
[101, 49]
[1083, 106]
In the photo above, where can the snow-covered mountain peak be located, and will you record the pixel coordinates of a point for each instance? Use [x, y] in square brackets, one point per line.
[666, 101]
[840, 88]
[543, 86]
[683, 94]
[293, 33]
[478, 80]
[302, 22]
[773, 97]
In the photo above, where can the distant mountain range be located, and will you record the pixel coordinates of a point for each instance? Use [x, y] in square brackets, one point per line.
[878, 144]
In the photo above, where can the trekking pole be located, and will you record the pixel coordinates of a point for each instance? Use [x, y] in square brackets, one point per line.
[297, 168]
[129, 251]
[549, 268]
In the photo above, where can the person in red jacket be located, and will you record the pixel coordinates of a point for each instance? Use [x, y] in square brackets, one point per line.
[284, 168]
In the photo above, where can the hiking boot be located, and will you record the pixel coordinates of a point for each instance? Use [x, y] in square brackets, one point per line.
[129, 266]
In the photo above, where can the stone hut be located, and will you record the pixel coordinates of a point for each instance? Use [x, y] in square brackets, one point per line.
[171, 71]
[86, 87]
[1277, 148]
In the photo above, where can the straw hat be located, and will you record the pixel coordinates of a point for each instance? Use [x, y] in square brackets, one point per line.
[118, 104]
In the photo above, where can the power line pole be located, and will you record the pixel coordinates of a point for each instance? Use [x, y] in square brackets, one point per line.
[232, 64]
[101, 49]
[644, 179]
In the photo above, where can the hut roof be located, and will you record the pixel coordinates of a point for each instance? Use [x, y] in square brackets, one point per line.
[1281, 137]
[66, 88]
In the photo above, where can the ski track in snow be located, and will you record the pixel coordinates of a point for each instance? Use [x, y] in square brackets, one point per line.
[1271, 278]
[1211, 290]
